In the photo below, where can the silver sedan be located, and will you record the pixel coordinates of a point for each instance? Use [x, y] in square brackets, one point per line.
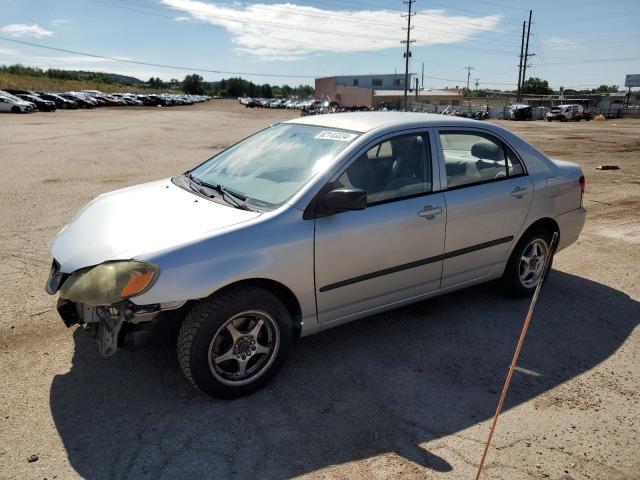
[306, 225]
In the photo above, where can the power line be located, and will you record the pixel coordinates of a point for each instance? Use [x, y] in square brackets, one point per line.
[597, 60]
[475, 12]
[502, 5]
[136, 62]
[146, 4]
[288, 27]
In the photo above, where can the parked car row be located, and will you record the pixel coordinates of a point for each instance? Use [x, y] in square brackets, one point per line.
[293, 103]
[27, 101]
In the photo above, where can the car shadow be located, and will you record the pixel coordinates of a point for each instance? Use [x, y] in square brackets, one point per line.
[387, 383]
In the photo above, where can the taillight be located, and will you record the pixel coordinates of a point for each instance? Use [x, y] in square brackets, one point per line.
[582, 183]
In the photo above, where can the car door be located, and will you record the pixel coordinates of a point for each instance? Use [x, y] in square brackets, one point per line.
[488, 195]
[391, 251]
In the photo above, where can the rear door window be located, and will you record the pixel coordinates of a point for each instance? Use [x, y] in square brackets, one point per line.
[472, 158]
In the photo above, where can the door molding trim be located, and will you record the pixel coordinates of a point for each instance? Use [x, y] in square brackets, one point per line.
[417, 263]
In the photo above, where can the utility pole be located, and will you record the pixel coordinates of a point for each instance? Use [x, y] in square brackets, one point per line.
[526, 55]
[408, 42]
[476, 83]
[468, 92]
[422, 83]
[519, 95]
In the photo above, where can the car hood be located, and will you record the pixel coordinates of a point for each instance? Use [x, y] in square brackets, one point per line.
[140, 220]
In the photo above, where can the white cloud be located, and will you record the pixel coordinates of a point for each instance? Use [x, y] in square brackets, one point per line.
[273, 31]
[60, 21]
[22, 30]
[9, 51]
[183, 19]
[560, 43]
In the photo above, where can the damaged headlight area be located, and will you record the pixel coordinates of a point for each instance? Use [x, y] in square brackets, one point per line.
[109, 283]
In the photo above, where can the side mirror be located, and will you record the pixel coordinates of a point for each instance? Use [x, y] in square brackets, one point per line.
[343, 199]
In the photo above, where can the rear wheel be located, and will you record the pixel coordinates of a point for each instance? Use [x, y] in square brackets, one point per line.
[15, 109]
[526, 263]
[233, 342]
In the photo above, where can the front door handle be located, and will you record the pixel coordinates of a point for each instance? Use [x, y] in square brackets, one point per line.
[429, 212]
[518, 192]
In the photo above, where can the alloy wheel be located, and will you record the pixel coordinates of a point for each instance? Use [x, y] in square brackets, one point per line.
[532, 262]
[244, 347]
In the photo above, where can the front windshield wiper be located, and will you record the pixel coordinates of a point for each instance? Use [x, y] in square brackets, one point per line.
[228, 195]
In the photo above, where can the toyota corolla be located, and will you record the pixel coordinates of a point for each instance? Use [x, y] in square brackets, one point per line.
[306, 225]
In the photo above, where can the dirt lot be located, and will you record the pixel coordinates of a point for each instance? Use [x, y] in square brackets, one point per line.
[406, 394]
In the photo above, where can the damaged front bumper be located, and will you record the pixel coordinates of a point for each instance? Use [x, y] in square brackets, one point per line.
[106, 323]
[107, 316]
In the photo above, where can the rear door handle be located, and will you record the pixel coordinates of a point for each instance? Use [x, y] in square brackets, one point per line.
[429, 212]
[518, 192]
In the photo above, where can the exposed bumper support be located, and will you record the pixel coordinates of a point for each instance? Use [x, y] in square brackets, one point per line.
[106, 322]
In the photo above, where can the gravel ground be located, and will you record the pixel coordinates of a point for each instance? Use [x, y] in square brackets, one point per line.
[405, 394]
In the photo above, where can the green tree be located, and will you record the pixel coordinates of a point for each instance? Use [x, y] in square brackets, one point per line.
[536, 86]
[606, 89]
[193, 85]
[265, 91]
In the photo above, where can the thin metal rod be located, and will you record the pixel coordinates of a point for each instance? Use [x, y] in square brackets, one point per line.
[519, 96]
[516, 354]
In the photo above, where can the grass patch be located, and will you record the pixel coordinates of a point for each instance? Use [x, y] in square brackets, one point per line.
[27, 82]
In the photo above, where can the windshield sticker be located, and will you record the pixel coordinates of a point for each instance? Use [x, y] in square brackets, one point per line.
[336, 136]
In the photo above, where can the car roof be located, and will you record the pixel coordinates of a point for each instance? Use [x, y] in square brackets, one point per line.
[366, 121]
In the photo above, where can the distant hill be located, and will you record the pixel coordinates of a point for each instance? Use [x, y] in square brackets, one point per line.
[115, 77]
[30, 78]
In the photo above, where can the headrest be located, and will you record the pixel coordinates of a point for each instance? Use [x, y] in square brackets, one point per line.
[407, 144]
[487, 151]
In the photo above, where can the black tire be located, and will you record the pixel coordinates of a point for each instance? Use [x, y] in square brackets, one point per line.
[15, 109]
[511, 277]
[205, 324]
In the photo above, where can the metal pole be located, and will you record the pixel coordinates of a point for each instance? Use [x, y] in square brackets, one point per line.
[407, 52]
[422, 82]
[516, 354]
[526, 56]
[468, 92]
[519, 95]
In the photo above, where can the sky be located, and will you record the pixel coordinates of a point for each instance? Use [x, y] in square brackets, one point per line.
[575, 43]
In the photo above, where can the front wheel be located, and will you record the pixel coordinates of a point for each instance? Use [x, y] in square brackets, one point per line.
[233, 342]
[526, 264]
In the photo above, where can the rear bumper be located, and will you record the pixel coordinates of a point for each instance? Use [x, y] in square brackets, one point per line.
[571, 224]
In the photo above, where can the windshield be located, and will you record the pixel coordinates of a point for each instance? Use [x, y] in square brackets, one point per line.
[270, 166]
[10, 96]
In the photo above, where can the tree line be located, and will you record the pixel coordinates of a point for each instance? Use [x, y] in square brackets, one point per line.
[192, 84]
[235, 87]
[239, 87]
[538, 86]
[59, 74]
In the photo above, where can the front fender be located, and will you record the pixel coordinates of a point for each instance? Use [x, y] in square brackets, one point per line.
[278, 246]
